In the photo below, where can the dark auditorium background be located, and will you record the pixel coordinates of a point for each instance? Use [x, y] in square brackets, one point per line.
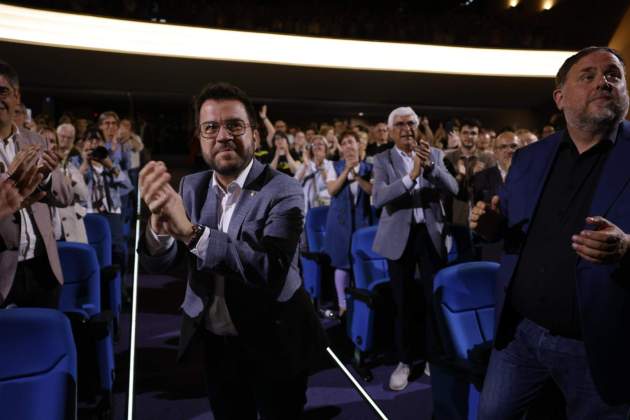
[157, 94]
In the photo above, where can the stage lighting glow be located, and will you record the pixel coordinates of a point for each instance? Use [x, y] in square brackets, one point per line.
[37, 27]
[513, 3]
[547, 4]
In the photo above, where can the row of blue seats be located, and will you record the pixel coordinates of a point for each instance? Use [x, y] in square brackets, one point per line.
[42, 348]
[464, 299]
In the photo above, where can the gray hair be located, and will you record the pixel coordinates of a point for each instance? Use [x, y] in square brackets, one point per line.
[402, 111]
[66, 125]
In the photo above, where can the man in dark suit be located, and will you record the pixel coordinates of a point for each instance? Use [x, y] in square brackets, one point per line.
[238, 225]
[408, 181]
[30, 270]
[486, 184]
[564, 213]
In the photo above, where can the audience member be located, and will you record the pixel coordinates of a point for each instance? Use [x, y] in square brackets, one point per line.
[284, 159]
[381, 140]
[350, 189]
[466, 161]
[486, 183]
[30, 271]
[548, 130]
[408, 181]
[68, 220]
[313, 174]
[107, 183]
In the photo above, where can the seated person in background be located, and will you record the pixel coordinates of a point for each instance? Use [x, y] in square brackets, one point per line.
[350, 189]
[284, 159]
[107, 183]
[314, 173]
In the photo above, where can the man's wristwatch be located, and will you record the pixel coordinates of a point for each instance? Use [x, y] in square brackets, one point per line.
[429, 166]
[197, 233]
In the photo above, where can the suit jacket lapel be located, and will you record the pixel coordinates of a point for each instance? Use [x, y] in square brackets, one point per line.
[246, 200]
[536, 184]
[206, 208]
[615, 174]
[399, 165]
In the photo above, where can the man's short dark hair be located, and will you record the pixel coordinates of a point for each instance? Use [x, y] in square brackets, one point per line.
[222, 91]
[561, 76]
[10, 74]
[470, 122]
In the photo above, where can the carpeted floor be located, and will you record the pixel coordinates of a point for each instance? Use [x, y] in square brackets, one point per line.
[165, 390]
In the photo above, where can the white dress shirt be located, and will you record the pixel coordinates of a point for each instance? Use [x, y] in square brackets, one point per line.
[418, 213]
[218, 320]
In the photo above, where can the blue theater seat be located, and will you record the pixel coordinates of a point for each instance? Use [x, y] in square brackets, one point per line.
[38, 372]
[370, 272]
[314, 259]
[465, 303]
[81, 300]
[100, 238]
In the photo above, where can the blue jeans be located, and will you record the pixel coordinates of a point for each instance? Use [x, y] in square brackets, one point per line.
[518, 372]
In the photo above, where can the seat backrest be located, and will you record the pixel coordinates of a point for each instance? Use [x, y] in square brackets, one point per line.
[465, 294]
[99, 237]
[38, 373]
[315, 227]
[81, 273]
[369, 267]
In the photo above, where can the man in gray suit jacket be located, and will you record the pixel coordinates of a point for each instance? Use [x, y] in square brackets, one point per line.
[30, 271]
[408, 181]
[238, 226]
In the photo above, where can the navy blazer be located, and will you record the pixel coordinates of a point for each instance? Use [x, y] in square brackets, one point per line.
[603, 290]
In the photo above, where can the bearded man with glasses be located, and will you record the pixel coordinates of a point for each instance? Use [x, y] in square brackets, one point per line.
[238, 225]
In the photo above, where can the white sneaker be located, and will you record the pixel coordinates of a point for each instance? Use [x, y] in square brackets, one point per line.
[427, 371]
[400, 377]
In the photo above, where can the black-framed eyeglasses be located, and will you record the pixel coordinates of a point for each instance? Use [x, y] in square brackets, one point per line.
[210, 129]
[406, 124]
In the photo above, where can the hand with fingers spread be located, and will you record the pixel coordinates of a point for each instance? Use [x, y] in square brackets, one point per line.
[486, 219]
[168, 215]
[605, 244]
